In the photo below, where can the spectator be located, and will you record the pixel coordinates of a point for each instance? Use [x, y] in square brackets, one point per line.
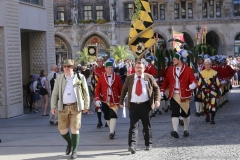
[52, 76]
[35, 92]
[44, 91]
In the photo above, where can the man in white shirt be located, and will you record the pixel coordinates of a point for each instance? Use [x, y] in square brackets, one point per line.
[53, 75]
[143, 96]
[70, 98]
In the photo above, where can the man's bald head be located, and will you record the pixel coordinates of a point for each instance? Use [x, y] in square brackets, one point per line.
[53, 68]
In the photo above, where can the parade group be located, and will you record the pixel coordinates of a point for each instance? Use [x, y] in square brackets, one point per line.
[138, 86]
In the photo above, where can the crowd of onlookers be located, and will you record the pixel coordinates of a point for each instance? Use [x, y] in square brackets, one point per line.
[234, 62]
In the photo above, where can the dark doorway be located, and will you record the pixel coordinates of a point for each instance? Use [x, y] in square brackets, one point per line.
[214, 41]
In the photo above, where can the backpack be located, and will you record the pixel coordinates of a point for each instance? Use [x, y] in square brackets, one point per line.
[39, 84]
[52, 81]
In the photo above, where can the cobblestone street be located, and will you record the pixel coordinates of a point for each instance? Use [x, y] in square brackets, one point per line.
[30, 137]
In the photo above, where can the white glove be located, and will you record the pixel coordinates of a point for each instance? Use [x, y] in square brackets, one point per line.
[196, 75]
[162, 94]
[98, 103]
[214, 109]
[156, 79]
[161, 79]
[192, 86]
[223, 82]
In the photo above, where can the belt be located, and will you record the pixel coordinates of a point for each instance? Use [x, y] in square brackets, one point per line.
[176, 89]
[70, 104]
[139, 102]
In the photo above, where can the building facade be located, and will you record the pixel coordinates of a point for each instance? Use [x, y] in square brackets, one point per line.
[222, 18]
[26, 46]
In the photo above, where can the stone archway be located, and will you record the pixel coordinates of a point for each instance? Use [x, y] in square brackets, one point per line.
[237, 45]
[188, 39]
[63, 50]
[101, 43]
[213, 39]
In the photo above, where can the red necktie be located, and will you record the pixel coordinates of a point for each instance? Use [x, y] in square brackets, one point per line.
[138, 87]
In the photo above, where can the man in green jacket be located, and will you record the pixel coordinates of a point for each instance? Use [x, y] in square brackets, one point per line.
[70, 98]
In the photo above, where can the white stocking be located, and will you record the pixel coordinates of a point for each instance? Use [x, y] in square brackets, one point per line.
[186, 123]
[175, 122]
[197, 104]
[113, 122]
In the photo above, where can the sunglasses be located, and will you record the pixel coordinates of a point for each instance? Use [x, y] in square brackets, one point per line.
[66, 66]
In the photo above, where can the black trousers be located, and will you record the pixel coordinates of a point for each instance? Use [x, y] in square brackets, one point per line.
[177, 110]
[136, 112]
[108, 112]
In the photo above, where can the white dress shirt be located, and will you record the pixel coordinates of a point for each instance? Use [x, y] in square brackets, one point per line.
[144, 96]
[178, 69]
[110, 83]
[69, 94]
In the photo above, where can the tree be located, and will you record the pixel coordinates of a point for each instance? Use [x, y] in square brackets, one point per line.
[120, 52]
[84, 58]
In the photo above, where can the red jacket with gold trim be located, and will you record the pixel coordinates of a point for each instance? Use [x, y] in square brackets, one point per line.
[150, 69]
[228, 72]
[186, 77]
[101, 92]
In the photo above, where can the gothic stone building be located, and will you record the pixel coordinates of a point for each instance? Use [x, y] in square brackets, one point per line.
[222, 18]
[26, 47]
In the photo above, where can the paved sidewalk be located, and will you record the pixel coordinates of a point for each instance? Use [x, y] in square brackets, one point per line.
[31, 137]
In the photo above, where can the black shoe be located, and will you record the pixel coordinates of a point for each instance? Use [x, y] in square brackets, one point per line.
[212, 122]
[132, 150]
[55, 124]
[220, 106]
[74, 155]
[111, 135]
[207, 119]
[160, 112]
[106, 125]
[181, 122]
[99, 125]
[69, 149]
[227, 101]
[153, 115]
[185, 133]
[166, 109]
[148, 148]
[197, 114]
[51, 122]
[174, 134]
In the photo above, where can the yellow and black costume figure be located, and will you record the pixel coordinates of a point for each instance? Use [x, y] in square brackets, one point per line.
[209, 88]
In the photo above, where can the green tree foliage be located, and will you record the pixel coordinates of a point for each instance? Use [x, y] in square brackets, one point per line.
[84, 58]
[120, 52]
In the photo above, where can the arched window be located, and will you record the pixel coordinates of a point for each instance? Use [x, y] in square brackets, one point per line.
[61, 50]
[237, 45]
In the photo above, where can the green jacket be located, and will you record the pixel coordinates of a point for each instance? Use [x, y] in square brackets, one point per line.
[59, 87]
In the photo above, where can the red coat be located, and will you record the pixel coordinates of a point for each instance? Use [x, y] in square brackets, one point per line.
[186, 77]
[99, 71]
[150, 69]
[216, 68]
[101, 92]
[228, 72]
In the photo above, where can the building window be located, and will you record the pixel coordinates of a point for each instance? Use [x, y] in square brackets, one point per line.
[204, 10]
[128, 11]
[60, 14]
[88, 12]
[155, 11]
[236, 7]
[176, 11]
[218, 9]
[162, 11]
[211, 9]
[35, 2]
[237, 45]
[99, 12]
[190, 10]
[183, 9]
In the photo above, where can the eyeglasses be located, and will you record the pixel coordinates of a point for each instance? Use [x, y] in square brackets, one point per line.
[66, 66]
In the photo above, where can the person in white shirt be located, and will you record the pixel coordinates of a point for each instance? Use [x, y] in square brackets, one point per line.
[44, 91]
[36, 96]
[143, 96]
[53, 75]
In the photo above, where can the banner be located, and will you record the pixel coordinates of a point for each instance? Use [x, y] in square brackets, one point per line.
[177, 35]
[141, 36]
